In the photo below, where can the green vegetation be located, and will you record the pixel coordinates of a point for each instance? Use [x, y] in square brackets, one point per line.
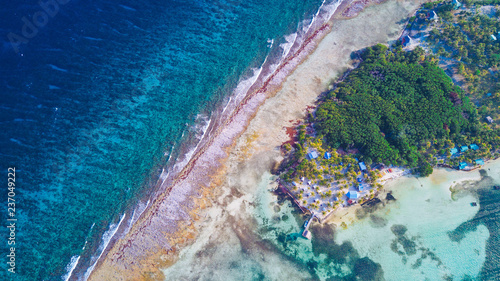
[399, 107]
[392, 105]
[468, 39]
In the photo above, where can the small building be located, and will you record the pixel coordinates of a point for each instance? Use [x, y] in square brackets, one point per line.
[488, 94]
[312, 155]
[474, 146]
[479, 162]
[464, 148]
[406, 41]
[327, 155]
[361, 187]
[352, 195]
[359, 179]
[493, 37]
[462, 165]
[456, 4]
[306, 234]
[489, 119]
[362, 166]
[294, 183]
[454, 151]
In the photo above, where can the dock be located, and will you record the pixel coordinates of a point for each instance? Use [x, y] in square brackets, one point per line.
[306, 232]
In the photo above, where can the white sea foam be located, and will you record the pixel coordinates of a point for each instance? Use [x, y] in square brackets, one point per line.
[227, 104]
[245, 85]
[290, 40]
[74, 260]
[106, 238]
[202, 123]
[92, 38]
[267, 68]
[127, 7]
[57, 68]
[70, 267]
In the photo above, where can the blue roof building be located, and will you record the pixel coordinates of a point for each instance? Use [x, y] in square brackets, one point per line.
[464, 148]
[359, 179]
[327, 155]
[360, 187]
[479, 161]
[454, 150]
[462, 165]
[405, 41]
[474, 146]
[456, 4]
[352, 195]
[362, 166]
[312, 155]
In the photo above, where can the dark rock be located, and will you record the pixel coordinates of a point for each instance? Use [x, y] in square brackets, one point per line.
[389, 197]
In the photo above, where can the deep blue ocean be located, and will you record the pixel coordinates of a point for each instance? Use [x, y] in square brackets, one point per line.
[98, 97]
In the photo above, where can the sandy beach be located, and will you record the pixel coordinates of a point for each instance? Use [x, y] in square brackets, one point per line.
[214, 192]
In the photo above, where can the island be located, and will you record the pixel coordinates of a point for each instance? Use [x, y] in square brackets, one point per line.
[430, 99]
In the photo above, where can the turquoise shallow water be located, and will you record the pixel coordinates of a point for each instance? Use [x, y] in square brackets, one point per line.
[428, 233]
[105, 97]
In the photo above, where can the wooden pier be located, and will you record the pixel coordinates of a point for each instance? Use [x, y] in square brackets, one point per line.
[306, 232]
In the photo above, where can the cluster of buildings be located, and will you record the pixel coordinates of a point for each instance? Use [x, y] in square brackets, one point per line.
[311, 193]
[463, 165]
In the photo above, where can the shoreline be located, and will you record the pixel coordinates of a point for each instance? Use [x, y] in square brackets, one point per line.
[170, 221]
[345, 217]
[239, 117]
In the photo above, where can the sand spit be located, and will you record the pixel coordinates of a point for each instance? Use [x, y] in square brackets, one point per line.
[258, 126]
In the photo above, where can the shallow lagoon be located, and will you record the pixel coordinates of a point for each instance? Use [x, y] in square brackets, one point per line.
[423, 235]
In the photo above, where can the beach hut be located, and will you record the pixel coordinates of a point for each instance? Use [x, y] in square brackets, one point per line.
[352, 195]
[362, 166]
[479, 161]
[454, 150]
[489, 119]
[312, 155]
[464, 148]
[493, 37]
[462, 165]
[474, 146]
[327, 155]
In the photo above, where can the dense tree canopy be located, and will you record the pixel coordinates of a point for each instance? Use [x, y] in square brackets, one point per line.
[391, 105]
